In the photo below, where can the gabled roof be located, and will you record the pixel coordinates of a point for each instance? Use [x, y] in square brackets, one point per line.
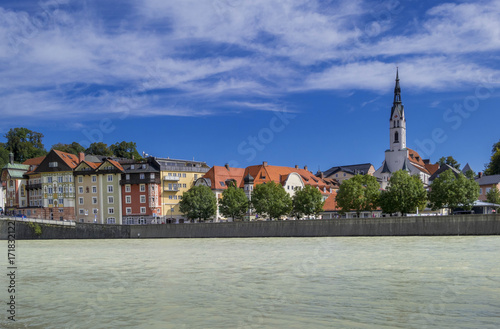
[218, 175]
[417, 161]
[70, 159]
[385, 170]
[442, 169]
[466, 169]
[352, 169]
[488, 180]
[113, 162]
[91, 165]
[331, 203]
[432, 167]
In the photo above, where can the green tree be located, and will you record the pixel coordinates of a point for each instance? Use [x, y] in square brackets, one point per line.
[234, 202]
[449, 161]
[126, 150]
[99, 148]
[307, 202]
[452, 191]
[493, 196]
[73, 148]
[493, 168]
[271, 200]
[359, 193]
[4, 155]
[404, 194]
[198, 203]
[25, 144]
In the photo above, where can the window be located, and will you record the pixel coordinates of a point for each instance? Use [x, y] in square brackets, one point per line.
[132, 166]
[170, 186]
[82, 220]
[71, 189]
[110, 178]
[196, 176]
[110, 188]
[50, 190]
[128, 199]
[111, 210]
[111, 200]
[111, 220]
[488, 189]
[94, 200]
[49, 179]
[184, 185]
[94, 178]
[143, 210]
[127, 176]
[222, 184]
[53, 164]
[396, 137]
[82, 211]
[143, 199]
[170, 197]
[80, 200]
[480, 191]
[94, 189]
[127, 188]
[142, 176]
[184, 175]
[59, 179]
[128, 210]
[142, 187]
[80, 179]
[60, 189]
[95, 210]
[152, 176]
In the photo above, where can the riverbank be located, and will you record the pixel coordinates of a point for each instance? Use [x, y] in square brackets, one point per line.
[388, 226]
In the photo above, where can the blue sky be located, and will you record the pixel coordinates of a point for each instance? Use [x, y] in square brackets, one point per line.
[241, 82]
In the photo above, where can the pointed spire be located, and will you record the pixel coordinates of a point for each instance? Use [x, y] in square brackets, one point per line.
[397, 89]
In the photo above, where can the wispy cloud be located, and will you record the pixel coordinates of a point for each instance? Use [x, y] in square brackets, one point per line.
[195, 57]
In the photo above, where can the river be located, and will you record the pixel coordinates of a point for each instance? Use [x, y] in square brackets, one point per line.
[362, 282]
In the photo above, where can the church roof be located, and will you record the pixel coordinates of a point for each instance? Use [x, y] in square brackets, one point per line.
[416, 161]
[466, 169]
[397, 105]
[385, 170]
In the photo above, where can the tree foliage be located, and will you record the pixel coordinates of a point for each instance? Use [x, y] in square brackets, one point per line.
[234, 202]
[493, 196]
[4, 155]
[25, 144]
[73, 148]
[449, 161]
[271, 200]
[493, 168]
[452, 191]
[99, 148]
[198, 203]
[307, 202]
[404, 194]
[126, 150]
[359, 193]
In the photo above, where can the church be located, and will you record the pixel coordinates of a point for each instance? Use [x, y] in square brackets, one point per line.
[398, 156]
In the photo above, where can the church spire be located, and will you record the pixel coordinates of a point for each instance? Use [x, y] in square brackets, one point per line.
[397, 89]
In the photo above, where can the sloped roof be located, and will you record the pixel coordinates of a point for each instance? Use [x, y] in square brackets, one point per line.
[466, 169]
[432, 167]
[331, 203]
[417, 161]
[219, 174]
[114, 163]
[34, 161]
[385, 170]
[488, 180]
[70, 159]
[352, 169]
[442, 169]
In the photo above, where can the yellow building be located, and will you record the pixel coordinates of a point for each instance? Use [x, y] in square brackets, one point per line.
[177, 176]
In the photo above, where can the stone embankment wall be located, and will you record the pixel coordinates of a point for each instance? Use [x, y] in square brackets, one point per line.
[392, 226]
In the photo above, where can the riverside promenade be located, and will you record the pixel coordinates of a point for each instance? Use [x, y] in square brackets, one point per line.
[385, 226]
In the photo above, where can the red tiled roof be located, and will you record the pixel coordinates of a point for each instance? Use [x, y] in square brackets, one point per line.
[417, 161]
[432, 167]
[70, 159]
[331, 203]
[34, 161]
[114, 163]
[218, 174]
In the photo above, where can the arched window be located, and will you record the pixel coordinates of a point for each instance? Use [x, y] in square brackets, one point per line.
[396, 137]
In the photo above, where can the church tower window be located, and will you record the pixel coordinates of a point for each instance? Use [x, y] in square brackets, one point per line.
[396, 137]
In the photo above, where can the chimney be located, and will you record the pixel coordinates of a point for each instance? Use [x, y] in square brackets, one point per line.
[81, 156]
[321, 175]
[305, 167]
[227, 166]
[296, 166]
[11, 158]
[264, 163]
[480, 174]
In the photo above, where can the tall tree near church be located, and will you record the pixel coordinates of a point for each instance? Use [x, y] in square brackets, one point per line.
[404, 194]
[359, 193]
[24, 143]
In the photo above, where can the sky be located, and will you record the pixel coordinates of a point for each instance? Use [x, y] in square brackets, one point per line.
[298, 82]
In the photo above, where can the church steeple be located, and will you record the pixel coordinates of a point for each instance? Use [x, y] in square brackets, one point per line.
[397, 121]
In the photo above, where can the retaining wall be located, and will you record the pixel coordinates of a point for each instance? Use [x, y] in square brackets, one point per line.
[391, 226]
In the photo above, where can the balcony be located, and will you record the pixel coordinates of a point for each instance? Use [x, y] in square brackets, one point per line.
[137, 180]
[171, 189]
[33, 186]
[171, 178]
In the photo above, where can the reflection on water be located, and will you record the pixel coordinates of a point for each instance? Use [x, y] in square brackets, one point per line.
[386, 282]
